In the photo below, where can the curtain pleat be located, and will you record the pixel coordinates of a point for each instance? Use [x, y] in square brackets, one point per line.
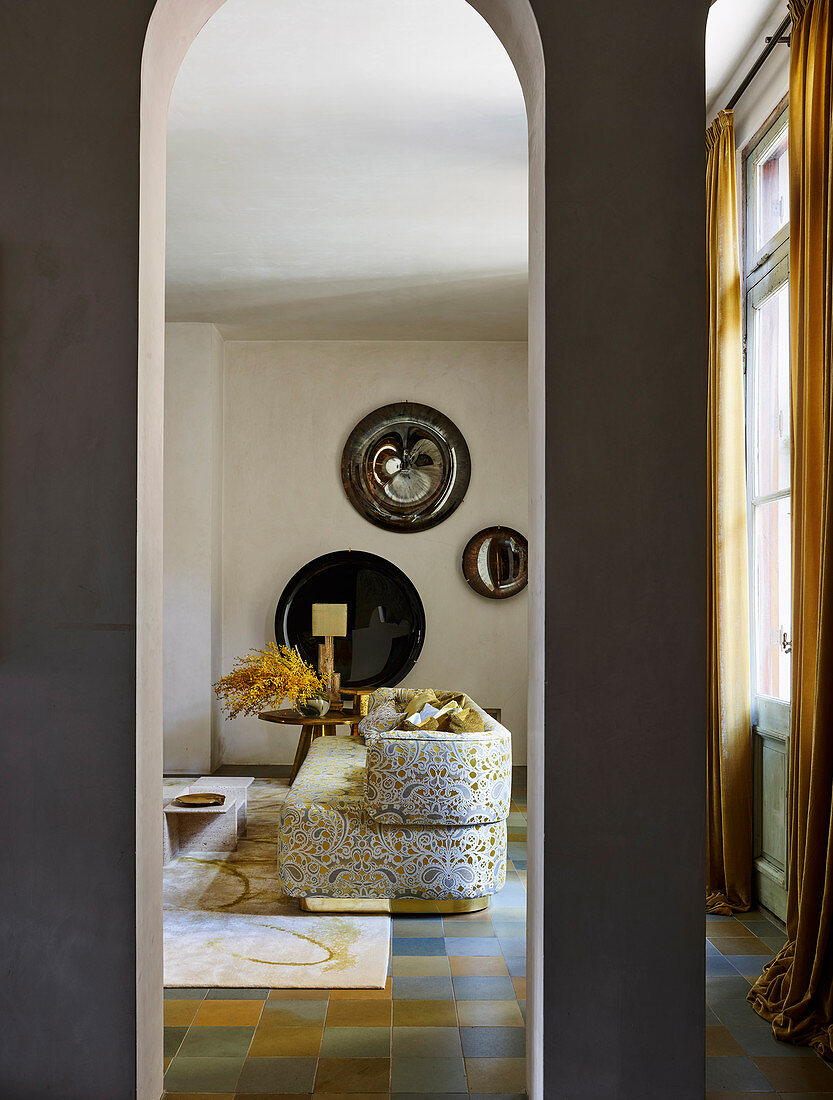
[795, 991]
[729, 731]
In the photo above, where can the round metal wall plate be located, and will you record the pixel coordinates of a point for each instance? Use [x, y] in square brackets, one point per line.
[496, 562]
[406, 467]
[385, 617]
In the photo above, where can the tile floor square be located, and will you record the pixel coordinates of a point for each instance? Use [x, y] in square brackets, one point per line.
[418, 945]
[750, 966]
[512, 896]
[504, 927]
[172, 1038]
[428, 1074]
[293, 1013]
[472, 945]
[492, 1075]
[516, 965]
[510, 913]
[486, 989]
[741, 1074]
[178, 993]
[759, 1042]
[481, 928]
[276, 1075]
[720, 1043]
[216, 1042]
[489, 1014]
[440, 1042]
[738, 1013]
[203, 1074]
[227, 1013]
[796, 1074]
[180, 1013]
[280, 1041]
[420, 966]
[422, 928]
[477, 966]
[741, 945]
[356, 1042]
[359, 1013]
[718, 964]
[512, 945]
[422, 989]
[424, 1014]
[352, 1075]
[493, 1042]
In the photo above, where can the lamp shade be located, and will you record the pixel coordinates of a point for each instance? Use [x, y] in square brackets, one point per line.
[329, 620]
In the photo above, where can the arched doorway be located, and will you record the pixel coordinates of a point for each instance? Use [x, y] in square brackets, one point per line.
[173, 27]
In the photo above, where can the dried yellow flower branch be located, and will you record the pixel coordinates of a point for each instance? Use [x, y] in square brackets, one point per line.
[263, 678]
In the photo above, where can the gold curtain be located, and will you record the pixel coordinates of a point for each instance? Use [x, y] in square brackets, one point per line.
[729, 730]
[795, 991]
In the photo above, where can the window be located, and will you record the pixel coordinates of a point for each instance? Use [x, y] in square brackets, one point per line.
[766, 283]
[771, 186]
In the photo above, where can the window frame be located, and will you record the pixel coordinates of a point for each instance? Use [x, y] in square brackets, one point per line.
[759, 260]
[766, 270]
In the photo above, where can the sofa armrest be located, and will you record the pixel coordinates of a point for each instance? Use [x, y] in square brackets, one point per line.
[435, 778]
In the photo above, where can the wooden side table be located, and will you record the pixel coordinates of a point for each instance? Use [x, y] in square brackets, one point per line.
[317, 726]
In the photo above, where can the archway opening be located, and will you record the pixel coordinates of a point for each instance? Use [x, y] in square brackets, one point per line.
[173, 28]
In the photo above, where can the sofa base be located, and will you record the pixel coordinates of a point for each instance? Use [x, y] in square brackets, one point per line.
[393, 905]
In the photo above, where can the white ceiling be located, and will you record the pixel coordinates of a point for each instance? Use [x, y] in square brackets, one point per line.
[348, 169]
[357, 169]
[735, 34]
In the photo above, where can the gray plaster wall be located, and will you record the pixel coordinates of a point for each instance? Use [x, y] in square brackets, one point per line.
[625, 547]
[69, 94]
[625, 551]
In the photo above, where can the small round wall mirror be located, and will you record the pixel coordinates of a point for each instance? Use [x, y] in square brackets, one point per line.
[496, 562]
[405, 467]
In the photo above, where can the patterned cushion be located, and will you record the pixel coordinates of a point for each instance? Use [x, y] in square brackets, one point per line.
[330, 846]
[386, 709]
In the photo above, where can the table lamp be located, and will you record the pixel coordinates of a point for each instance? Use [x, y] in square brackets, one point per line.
[329, 620]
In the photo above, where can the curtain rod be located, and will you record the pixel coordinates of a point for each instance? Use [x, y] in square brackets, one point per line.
[771, 43]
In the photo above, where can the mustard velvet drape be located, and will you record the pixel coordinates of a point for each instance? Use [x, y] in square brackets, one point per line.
[729, 730]
[795, 991]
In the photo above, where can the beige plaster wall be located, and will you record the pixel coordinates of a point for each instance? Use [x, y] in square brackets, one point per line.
[289, 407]
[192, 621]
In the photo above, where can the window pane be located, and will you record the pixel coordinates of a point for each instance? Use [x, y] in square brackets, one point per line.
[772, 619]
[772, 178]
[772, 393]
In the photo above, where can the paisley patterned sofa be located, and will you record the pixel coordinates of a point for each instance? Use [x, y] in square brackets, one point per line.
[397, 813]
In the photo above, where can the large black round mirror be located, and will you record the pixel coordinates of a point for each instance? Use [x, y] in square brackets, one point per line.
[385, 617]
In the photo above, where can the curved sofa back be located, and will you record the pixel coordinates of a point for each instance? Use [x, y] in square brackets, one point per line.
[431, 777]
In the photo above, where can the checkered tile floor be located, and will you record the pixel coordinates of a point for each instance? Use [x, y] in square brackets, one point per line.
[743, 1061]
[450, 1022]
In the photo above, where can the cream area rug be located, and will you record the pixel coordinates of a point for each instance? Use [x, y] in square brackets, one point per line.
[227, 924]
